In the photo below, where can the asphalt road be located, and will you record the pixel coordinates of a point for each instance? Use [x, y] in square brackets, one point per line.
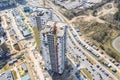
[116, 44]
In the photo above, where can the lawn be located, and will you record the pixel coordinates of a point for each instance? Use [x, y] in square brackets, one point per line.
[119, 44]
[91, 60]
[87, 73]
[14, 74]
[37, 37]
[6, 67]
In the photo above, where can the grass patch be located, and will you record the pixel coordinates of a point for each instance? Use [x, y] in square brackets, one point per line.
[14, 74]
[87, 73]
[115, 54]
[37, 37]
[111, 78]
[117, 74]
[119, 44]
[108, 6]
[91, 60]
[6, 67]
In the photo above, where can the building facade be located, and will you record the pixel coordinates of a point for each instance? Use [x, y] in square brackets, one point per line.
[3, 47]
[53, 45]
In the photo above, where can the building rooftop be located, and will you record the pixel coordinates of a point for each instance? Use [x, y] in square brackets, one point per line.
[24, 67]
[26, 33]
[40, 16]
[6, 0]
[2, 40]
[50, 27]
[6, 76]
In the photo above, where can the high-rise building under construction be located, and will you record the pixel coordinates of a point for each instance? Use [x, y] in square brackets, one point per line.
[53, 45]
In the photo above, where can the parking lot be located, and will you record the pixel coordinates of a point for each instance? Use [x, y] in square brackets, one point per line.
[95, 70]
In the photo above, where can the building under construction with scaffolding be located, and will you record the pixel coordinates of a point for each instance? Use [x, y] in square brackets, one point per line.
[53, 45]
[39, 18]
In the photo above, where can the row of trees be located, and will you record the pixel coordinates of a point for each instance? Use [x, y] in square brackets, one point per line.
[117, 14]
[96, 6]
[100, 36]
[113, 54]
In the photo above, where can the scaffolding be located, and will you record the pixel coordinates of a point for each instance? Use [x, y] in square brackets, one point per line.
[56, 45]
